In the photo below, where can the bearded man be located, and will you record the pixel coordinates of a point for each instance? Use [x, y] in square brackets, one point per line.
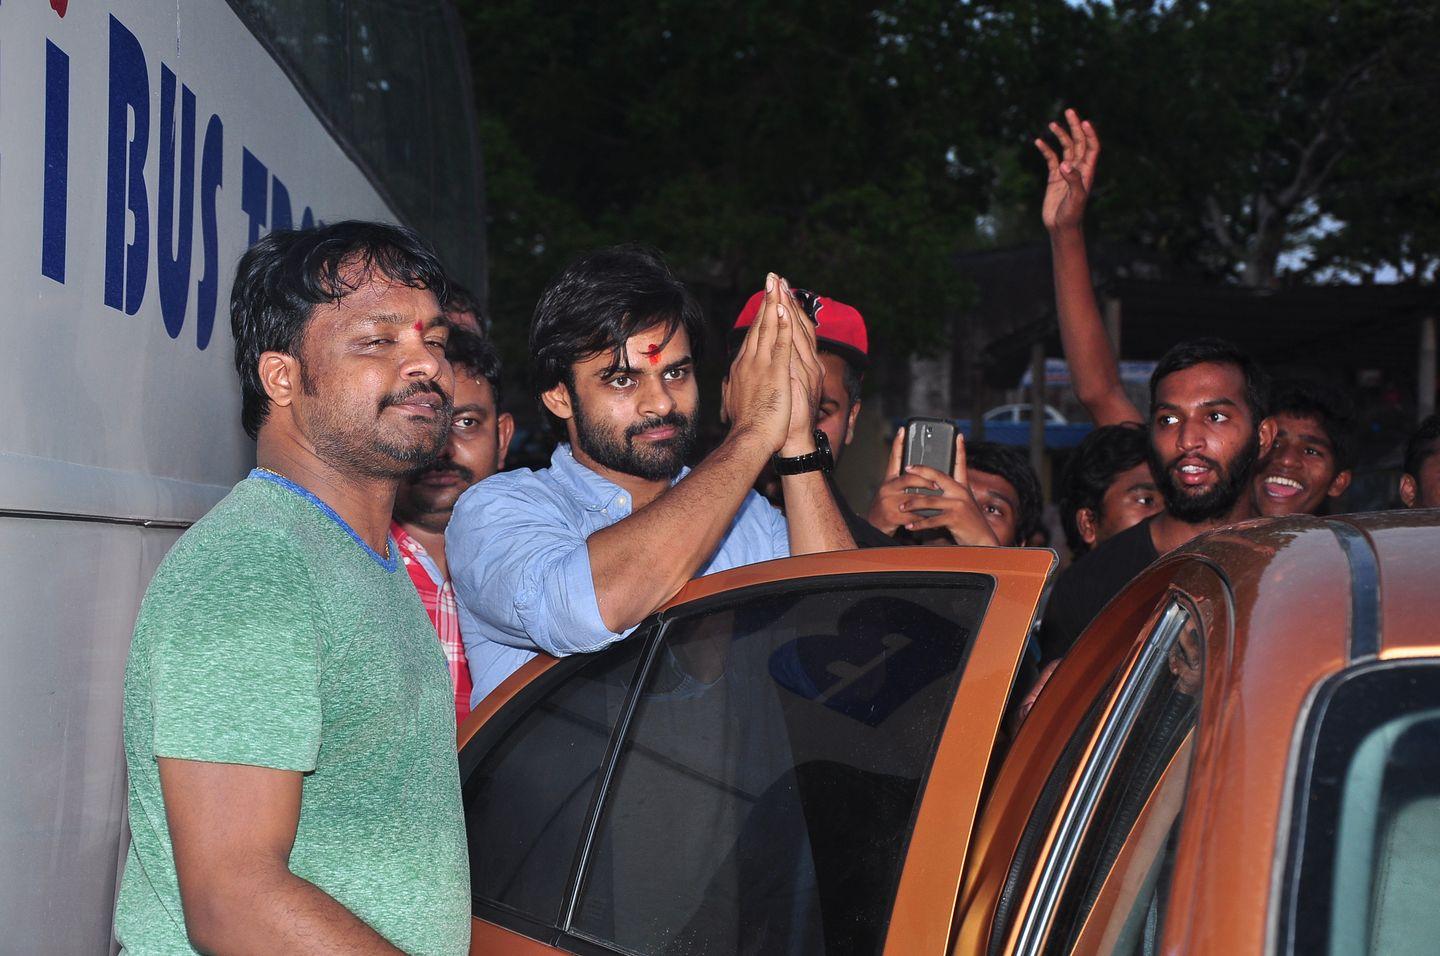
[1208, 430]
[289, 726]
[569, 559]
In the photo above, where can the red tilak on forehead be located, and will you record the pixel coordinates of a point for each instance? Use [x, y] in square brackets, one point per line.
[419, 326]
[653, 353]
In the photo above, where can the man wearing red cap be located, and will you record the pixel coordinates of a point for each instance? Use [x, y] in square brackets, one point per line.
[844, 346]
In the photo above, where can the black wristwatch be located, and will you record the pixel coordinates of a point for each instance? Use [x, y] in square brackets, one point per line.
[818, 460]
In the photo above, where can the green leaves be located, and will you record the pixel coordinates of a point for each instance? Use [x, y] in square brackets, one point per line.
[858, 149]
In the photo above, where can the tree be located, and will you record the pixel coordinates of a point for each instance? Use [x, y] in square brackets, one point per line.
[858, 149]
[738, 139]
[1237, 129]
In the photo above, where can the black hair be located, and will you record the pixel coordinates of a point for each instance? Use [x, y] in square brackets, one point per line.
[1101, 456]
[463, 302]
[598, 302]
[1011, 464]
[854, 374]
[1424, 443]
[475, 354]
[281, 279]
[1330, 406]
[1192, 352]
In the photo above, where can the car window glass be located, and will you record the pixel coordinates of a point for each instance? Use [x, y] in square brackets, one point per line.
[1370, 798]
[771, 772]
[527, 799]
[1167, 713]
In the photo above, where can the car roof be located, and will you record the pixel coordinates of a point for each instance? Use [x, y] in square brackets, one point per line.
[1284, 592]
[1387, 560]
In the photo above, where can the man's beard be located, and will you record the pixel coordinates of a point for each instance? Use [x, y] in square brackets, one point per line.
[431, 508]
[661, 461]
[1220, 499]
[353, 445]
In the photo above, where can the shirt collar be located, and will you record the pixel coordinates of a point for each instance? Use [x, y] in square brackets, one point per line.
[402, 538]
[413, 551]
[593, 491]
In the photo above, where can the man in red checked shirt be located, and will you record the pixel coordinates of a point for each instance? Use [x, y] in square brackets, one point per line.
[479, 436]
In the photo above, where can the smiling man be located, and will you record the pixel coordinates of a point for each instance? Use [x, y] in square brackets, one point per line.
[289, 728]
[570, 558]
[479, 436]
[1310, 462]
[1208, 431]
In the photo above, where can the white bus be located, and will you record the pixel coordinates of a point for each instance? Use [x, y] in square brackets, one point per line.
[143, 146]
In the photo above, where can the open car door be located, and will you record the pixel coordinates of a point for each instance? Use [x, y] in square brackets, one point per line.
[786, 759]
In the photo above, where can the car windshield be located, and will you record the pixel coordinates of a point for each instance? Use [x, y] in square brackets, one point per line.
[1370, 802]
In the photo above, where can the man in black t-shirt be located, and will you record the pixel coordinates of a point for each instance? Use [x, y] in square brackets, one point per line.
[1087, 586]
[1208, 429]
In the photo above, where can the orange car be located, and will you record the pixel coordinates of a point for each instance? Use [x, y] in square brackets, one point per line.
[818, 755]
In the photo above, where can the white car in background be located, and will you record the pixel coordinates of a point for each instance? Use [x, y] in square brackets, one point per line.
[1020, 412]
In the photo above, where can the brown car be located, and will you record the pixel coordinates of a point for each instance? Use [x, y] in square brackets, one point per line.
[819, 755]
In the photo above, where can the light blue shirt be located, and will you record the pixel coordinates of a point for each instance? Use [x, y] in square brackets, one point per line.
[521, 569]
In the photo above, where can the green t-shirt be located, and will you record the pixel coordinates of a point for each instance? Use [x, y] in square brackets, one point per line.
[273, 636]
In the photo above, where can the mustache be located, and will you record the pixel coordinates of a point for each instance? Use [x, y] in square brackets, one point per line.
[413, 389]
[440, 468]
[674, 419]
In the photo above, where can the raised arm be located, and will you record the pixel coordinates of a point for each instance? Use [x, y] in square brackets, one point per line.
[233, 827]
[1082, 332]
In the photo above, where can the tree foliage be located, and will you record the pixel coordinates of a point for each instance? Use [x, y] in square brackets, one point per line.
[858, 148]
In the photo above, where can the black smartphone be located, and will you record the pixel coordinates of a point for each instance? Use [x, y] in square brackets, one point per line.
[929, 441]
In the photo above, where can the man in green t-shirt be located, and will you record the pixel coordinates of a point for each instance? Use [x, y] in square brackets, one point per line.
[289, 721]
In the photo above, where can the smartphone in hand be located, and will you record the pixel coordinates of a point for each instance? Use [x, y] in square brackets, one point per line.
[929, 441]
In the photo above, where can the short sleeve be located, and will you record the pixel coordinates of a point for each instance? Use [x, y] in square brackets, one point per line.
[234, 656]
[1058, 629]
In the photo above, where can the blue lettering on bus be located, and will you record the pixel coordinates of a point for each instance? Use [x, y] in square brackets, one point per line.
[254, 183]
[127, 192]
[280, 217]
[172, 261]
[211, 169]
[125, 265]
[57, 162]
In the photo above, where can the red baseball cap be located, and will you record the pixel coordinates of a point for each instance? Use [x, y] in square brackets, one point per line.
[839, 328]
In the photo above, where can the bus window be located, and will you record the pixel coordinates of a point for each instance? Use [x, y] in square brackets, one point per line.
[391, 79]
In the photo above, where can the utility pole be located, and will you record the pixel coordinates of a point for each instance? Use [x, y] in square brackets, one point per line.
[1425, 377]
[1037, 414]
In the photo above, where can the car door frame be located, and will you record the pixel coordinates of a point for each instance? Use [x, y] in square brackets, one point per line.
[922, 915]
[1097, 674]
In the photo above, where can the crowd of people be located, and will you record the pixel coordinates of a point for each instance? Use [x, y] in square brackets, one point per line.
[289, 727]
